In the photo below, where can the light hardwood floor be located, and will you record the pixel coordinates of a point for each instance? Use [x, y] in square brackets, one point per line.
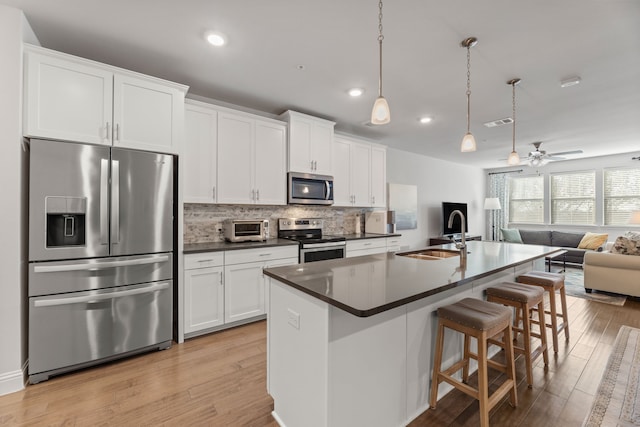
[220, 380]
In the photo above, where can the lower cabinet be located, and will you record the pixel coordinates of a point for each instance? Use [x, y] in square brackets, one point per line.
[203, 292]
[223, 289]
[366, 247]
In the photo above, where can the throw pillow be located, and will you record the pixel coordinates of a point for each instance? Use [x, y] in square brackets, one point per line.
[627, 244]
[511, 235]
[592, 241]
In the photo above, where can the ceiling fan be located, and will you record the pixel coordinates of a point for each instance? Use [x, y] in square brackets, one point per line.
[540, 157]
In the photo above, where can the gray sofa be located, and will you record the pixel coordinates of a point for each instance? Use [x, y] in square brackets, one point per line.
[568, 241]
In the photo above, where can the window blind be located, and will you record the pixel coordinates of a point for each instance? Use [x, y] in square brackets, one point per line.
[621, 195]
[573, 198]
[526, 199]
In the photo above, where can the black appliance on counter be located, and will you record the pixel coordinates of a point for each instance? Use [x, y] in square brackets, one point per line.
[314, 245]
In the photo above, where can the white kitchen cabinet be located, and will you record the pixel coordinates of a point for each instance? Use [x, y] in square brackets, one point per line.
[366, 247]
[394, 243]
[245, 285]
[244, 291]
[74, 99]
[359, 173]
[203, 291]
[199, 161]
[310, 143]
[378, 174]
[251, 160]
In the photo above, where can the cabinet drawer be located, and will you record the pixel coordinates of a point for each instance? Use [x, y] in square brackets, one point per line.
[205, 259]
[356, 245]
[263, 254]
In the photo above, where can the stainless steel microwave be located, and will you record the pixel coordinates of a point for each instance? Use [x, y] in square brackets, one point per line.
[308, 189]
[246, 230]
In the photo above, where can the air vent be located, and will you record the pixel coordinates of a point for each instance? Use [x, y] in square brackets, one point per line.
[499, 122]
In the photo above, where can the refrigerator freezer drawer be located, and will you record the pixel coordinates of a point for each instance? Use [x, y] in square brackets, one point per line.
[54, 277]
[74, 329]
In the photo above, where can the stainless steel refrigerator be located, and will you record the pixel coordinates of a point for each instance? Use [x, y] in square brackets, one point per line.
[100, 254]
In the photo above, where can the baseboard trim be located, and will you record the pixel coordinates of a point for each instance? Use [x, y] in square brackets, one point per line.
[11, 382]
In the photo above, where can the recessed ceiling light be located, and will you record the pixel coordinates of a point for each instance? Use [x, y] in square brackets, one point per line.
[355, 92]
[425, 120]
[216, 39]
[571, 81]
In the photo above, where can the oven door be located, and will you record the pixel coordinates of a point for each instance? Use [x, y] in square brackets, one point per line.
[307, 189]
[322, 251]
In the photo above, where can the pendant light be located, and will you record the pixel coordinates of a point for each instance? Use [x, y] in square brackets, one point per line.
[513, 159]
[380, 114]
[468, 142]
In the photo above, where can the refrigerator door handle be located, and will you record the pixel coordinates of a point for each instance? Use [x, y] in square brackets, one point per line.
[115, 202]
[104, 201]
[100, 297]
[99, 266]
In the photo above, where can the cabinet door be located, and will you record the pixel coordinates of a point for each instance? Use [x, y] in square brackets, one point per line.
[235, 165]
[147, 115]
[341, 173]
[270, 264]
[244, 291]
[200, 149]
[66, 100]
[203, 298]
[378, 177]
[360, 166]
[270, 162]
[321, 141]
[300, 145]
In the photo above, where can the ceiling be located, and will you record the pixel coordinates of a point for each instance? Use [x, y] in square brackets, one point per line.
[335, 43]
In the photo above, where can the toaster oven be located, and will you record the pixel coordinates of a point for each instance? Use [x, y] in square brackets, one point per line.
[246, 230]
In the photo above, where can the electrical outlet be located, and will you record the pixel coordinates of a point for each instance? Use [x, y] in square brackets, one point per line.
[293, 318]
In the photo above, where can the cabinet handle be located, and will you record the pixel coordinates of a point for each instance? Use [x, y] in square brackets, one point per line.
[311, 166]
[373, 200]
[213, 195]
[117, 132]
[253, 194]
[108, 132]
[258, 195]
[264, 254]
[205, 260]
[315, 165]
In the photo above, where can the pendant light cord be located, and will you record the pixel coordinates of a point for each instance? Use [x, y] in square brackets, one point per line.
[380, 38]
[468, 87]
[513, 99]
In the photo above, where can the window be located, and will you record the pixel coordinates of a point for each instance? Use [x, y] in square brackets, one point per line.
[621, 195]
[573, 198]
[526, 199]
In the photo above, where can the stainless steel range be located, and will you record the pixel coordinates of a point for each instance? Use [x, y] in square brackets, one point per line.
[314, 245]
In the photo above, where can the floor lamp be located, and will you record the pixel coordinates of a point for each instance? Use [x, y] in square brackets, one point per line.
[492, 204]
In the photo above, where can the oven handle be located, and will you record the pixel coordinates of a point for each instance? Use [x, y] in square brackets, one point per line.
[96, 298]
[99, 266]
[323, 245]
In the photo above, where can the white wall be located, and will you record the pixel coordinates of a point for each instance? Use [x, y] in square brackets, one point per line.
[13, 193]
[438, 181]
[597, 164]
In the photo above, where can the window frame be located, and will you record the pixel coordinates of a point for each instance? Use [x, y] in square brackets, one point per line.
[510, 200]
[605, 198]
[593, 199]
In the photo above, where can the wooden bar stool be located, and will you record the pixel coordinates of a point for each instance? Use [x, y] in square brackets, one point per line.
[524, 298]
[480, 320]
[551, 282]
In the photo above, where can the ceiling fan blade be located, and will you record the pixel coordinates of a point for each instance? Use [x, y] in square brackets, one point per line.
[566, 153]
[555, 158]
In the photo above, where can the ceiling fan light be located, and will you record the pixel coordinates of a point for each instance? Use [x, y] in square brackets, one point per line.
[468, 143]
[380, 115]
[513, 159]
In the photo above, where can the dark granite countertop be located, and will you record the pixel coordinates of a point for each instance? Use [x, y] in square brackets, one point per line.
[371, 284]
[228, 246]
[194, 248]
[361, 236]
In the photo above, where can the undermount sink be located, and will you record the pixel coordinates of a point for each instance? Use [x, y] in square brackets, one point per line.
[430, 254]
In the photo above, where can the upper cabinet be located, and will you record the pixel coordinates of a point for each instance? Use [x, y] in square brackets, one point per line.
[251, 160]
[74, 99]
[200, 150]
[310, 141]
[360, 176]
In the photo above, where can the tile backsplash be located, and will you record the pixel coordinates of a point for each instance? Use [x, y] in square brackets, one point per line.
[202, 221]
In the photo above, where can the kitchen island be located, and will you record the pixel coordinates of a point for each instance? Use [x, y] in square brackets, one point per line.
[350, 341]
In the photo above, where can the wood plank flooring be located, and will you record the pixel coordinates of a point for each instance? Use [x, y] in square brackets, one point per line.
[220, 380]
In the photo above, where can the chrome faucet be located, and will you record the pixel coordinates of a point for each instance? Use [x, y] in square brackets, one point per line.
[462, 246]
